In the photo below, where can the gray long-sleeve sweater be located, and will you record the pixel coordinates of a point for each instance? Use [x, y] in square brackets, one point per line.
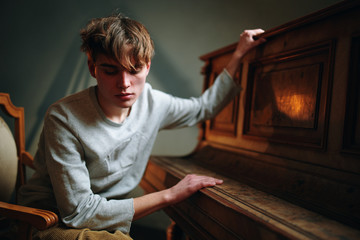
[86, 164]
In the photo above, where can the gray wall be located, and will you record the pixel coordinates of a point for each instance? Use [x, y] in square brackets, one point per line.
[40, 59]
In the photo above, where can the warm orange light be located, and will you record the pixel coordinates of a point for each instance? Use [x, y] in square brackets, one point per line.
[296, 106]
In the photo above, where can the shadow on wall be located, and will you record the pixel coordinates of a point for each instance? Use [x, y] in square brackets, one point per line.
[169, 76]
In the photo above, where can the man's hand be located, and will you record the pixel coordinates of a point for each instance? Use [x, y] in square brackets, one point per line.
[245, 44]
[189, 185]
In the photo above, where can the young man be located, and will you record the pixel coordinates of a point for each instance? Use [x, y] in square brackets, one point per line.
[95, 144]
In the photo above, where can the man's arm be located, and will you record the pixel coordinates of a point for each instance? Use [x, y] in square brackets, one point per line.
[152, 202]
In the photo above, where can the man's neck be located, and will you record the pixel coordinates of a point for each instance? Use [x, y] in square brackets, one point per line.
[113, 113]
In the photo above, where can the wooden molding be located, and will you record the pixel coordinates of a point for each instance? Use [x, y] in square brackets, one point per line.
[288, 96]
[352, 118]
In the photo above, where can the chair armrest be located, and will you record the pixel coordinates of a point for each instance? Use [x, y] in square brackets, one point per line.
[40, 219]
[27, 159]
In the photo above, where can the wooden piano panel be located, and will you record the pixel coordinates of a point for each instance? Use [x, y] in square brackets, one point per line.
[288, 147]
[288, 96]
[225, 123]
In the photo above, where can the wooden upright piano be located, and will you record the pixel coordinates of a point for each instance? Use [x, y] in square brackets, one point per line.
[288, 147]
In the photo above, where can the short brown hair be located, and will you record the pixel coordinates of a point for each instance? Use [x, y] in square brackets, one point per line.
[113, 36]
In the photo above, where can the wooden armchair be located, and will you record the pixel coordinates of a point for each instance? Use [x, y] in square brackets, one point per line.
[25, 218]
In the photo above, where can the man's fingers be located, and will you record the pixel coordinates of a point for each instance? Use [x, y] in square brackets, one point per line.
[254, 32]
[210, 181]
[258, 31]
[203, 181]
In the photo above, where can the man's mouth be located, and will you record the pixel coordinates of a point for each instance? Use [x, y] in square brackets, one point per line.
[124, 96]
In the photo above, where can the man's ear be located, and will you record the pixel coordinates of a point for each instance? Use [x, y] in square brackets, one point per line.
[148, 67]
[91, 65]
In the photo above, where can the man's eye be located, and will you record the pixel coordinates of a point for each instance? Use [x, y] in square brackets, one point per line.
[110, 71]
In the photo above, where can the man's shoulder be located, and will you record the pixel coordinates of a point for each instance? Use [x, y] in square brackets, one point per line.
[151, 92]
[75, 100]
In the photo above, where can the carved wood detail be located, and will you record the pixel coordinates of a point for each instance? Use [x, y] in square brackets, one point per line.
[225, 123]
[288, 96]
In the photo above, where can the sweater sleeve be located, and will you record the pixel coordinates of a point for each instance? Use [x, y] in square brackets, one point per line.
[78, 205]
[188, 112]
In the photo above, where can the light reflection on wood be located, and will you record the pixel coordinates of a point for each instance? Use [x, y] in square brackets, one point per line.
[295, 106]
[287, 97]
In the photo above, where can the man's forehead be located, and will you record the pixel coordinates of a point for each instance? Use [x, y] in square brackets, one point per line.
[110, 62]
[105, 59]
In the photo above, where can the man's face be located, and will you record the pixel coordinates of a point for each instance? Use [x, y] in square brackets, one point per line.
[117, 87]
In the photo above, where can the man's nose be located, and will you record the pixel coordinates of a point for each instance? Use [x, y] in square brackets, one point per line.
[123, 81]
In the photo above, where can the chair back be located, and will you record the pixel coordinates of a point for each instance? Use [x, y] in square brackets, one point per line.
[12, 150]
[16, 222]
